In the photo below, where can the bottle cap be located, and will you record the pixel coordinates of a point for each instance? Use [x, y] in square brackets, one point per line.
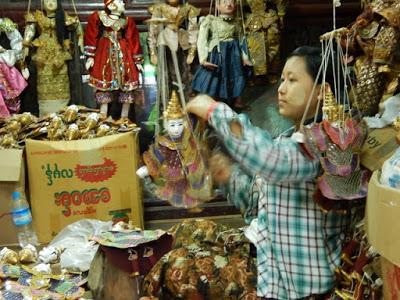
[16, 195]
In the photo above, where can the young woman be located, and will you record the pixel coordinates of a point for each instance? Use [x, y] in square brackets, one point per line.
[298, 246]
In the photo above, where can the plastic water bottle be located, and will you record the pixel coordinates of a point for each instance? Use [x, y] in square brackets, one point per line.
[21, 215]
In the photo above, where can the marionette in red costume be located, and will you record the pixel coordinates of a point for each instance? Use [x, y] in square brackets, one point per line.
[114, 55]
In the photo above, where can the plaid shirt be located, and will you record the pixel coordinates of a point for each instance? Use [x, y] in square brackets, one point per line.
[298, 246]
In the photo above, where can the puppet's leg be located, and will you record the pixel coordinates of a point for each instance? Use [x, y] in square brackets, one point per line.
[103, 98]
[126, 98]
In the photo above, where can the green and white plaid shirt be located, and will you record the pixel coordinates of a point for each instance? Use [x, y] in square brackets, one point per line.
[298, 246]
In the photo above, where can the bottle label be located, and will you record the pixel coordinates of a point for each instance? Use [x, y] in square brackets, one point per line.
[22, 217]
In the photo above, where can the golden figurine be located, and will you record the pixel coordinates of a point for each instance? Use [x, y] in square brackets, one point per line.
[52, 51]
[332, 111]
[263, 36]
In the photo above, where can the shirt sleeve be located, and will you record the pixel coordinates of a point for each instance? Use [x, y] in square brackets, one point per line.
[241, 193]
[133, 39]
[154, 28]
[193, 28]
[276, 160]
[91, 34]
[202, 41]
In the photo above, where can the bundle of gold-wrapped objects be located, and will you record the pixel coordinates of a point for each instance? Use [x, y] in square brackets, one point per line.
[72, 123]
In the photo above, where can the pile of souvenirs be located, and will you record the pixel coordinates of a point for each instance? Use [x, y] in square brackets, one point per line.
[29, 274]
[72, 123]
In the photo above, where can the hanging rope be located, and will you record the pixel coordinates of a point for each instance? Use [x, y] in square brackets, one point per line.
[74, 7]
[29, 6]
[341, 77]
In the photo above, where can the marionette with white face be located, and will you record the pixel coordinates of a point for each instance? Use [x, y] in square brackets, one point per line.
[175, 163]
[174, 125]
[114, 56]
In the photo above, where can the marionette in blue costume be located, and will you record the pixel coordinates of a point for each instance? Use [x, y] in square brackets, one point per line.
[221, 73]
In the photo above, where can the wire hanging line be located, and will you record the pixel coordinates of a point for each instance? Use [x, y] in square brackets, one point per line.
[335, 60]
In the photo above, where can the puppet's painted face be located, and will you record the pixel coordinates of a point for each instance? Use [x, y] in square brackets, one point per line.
[175, 127]
[117, 7]
[173, 2]
[227, 7]
[50, 5]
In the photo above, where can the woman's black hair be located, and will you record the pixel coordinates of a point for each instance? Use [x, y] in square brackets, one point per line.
[313, 59]
[60, 23]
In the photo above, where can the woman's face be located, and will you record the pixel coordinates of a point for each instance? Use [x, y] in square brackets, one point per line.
[226, 7]
[295, 90]
[50, 5]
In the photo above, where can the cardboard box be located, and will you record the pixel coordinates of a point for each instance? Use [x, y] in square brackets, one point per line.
[378, 147]
[391, 280]
[94, 178]
[383, 219]
[12, 178]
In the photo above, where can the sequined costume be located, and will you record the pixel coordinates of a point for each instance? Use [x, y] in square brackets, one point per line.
[51, 60]
[177, 169]
[373, 39]
[218, 43]
[11, 81]
[115, 47]
[263, 36]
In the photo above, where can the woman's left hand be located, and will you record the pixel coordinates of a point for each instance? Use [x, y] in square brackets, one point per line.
[200, 105]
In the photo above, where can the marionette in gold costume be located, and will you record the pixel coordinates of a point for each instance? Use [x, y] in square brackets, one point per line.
[175, 163]
[263, 36]
[173, 31]
[50, 53]
[372, 40]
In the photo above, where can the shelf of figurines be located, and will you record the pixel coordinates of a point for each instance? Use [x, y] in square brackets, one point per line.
[79, 164]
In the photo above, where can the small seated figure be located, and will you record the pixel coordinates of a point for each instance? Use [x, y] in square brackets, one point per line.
[175, 162]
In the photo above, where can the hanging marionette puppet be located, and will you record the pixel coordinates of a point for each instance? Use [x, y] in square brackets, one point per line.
[263, 37]
[114, 56]
[51, 52]
[11, 81]
[172, 39]
[336, 140]
[175, 161]
[372, 41]
[221, 73]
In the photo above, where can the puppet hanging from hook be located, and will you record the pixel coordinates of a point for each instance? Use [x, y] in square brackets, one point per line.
[176, 162]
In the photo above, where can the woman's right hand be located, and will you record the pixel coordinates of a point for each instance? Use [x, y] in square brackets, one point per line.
[220, 168]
